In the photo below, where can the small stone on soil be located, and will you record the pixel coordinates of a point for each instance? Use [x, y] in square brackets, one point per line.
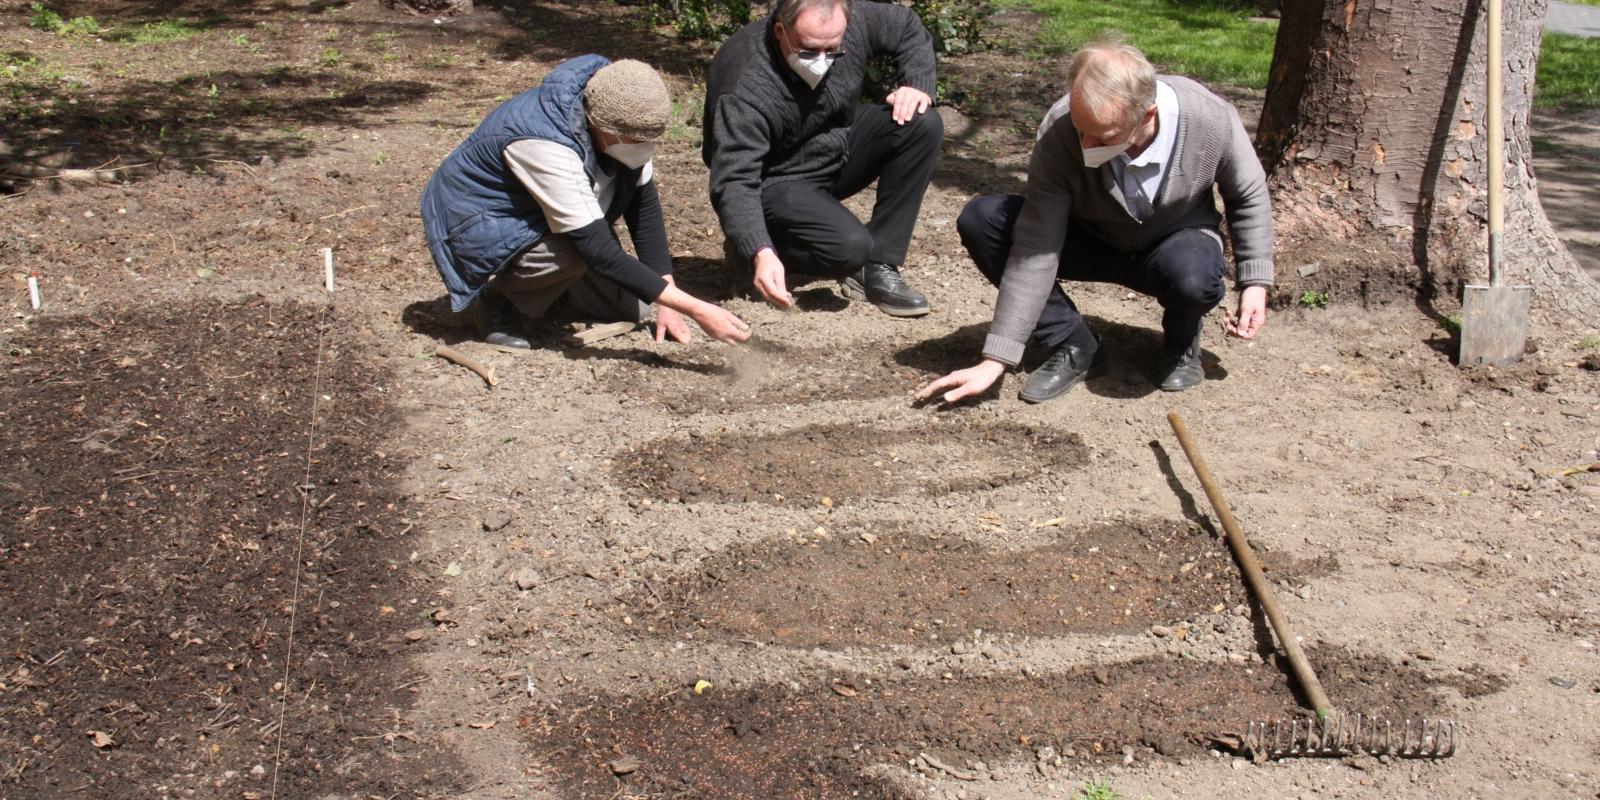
[1160, 630]
[496, 519]
[624, 765]
[525, 579]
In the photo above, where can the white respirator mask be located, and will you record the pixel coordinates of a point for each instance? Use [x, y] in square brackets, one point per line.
[811, 70]
[632, 155]
[1093, 157]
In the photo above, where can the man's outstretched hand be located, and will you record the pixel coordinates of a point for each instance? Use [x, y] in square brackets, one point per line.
[964, 383]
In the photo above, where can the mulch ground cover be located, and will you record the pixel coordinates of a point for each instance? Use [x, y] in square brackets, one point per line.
[155, 479]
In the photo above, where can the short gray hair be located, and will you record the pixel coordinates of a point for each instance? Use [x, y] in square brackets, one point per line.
[787, 11]
[1111, 72]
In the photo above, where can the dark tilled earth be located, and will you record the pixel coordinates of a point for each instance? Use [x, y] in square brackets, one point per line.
[844, 461]
[821, 736]
[1120, 577]
[150, 547]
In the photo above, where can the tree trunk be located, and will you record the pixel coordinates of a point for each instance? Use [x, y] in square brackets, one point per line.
[1373, 134]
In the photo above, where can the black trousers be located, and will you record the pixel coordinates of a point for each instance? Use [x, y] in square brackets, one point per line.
[1183, 272]
[816, 235]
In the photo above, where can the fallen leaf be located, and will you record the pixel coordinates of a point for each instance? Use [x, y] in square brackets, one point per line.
[453, 570]
[101, 739]
[843, 690]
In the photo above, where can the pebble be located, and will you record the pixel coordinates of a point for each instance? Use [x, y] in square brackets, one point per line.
[1102, 677]
[1160, 630]
[416, 635]
[525, 579]
[1564, 683]
[1304, 592]
[624, 765]
[960, 648]
[496, 519]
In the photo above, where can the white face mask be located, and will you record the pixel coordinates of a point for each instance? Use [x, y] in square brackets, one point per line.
[810, 70]
[1095, 156]
[812, 67]
[632, 155]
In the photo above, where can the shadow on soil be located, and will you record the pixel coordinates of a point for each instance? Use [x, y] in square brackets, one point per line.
[836, 735]
[844, 462]
[152, 546]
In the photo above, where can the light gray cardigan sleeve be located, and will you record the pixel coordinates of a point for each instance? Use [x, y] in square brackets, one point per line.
[1247, 205]
[1037, 241]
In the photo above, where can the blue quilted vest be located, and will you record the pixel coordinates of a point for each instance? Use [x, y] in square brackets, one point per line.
[477, 215]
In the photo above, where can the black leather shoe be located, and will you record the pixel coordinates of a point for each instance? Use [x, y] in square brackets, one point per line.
[1183, 369]
[882, 285]
[497, 320]
[1064, 369]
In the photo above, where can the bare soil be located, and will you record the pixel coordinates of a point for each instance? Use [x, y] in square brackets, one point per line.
[257, 541]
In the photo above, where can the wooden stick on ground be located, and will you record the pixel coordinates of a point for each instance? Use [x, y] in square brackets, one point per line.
[458, 357]
[599, 332]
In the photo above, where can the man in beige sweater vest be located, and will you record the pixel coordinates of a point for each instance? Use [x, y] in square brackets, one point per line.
[1120, 190]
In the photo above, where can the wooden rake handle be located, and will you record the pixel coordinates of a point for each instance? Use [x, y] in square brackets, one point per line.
[1252, 571]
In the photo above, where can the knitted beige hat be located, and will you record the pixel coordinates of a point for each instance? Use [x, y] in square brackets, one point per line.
[627, 98]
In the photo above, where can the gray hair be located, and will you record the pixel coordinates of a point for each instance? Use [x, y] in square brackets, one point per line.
[1110, 72]
[787, 11]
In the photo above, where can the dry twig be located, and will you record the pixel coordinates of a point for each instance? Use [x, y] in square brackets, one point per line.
[453, 355]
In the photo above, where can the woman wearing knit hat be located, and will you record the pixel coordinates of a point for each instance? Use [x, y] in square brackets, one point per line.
[521, 214]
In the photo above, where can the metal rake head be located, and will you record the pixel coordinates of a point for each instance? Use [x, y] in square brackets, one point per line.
[1348, 735]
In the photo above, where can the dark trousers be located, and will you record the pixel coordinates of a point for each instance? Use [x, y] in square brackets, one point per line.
[1183, 272]
[815, 234]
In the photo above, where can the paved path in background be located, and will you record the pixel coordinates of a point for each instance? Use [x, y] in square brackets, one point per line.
[1572, 18]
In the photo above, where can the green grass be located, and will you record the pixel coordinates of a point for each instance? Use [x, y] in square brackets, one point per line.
[1215, 41]
[1569, 72]
[46, 20]
[1096, 790]
[159, 32]
[1313, 299]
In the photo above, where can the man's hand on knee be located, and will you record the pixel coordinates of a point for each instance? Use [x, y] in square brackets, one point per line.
[905, 103]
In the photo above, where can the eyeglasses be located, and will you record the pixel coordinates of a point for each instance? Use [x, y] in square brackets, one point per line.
[812, 55]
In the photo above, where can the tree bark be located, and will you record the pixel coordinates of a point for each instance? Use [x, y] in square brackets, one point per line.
[1373, 134]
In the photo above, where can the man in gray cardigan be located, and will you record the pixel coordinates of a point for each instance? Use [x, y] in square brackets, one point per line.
[786, 139]
[1120, 191]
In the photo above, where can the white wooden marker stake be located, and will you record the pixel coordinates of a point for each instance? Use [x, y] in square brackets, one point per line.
[327, 267]
[33, 291]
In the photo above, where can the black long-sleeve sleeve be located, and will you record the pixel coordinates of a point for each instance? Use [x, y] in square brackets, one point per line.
[648, 229]
[597, 243]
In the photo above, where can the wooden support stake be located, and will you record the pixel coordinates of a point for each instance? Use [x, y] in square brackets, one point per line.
[458, 357]
[599, 332]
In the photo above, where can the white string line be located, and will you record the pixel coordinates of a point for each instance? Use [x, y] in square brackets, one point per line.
[299, 550]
